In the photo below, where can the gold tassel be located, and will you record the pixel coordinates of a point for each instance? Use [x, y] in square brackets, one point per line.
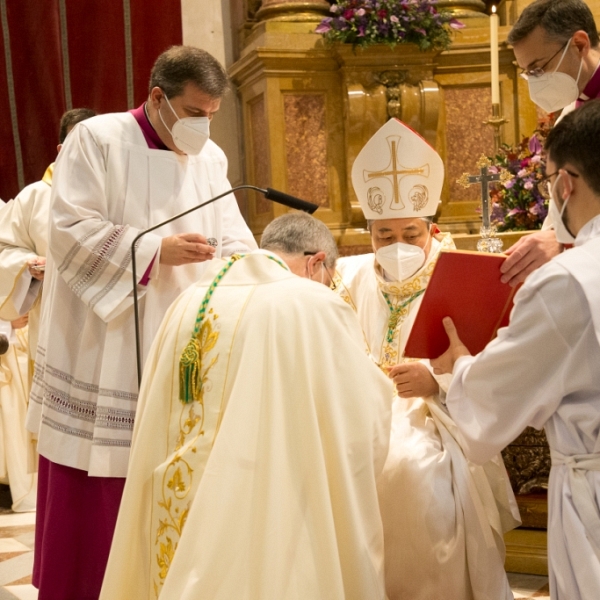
[190, 380]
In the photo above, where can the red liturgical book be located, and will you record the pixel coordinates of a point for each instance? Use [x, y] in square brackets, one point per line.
[465, 286]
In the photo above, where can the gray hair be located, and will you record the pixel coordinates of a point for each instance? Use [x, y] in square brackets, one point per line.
[560, 19]
[299, 233]
[180, 65]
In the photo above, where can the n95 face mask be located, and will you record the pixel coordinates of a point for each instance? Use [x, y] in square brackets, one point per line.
[400, 261]
[563, 235]
[189, 133]
[553, 91]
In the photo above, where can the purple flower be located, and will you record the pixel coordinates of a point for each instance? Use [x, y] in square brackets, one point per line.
[421, 30]
[394, 19]
[324, 26]
[536, 159]
[493, 169]
[455, 24]
[360, 12]
[509, 184]
[528, 185]
[522, 173]
[535, 146]
[536, 209]
[514, 212]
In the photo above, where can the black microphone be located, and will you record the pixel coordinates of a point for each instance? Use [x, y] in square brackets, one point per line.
[290, 201]
[271, 194]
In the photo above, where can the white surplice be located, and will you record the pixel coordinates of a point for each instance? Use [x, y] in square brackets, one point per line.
[107, 186]
[266, 488]
[544, 371]
[14, 441]
[444, 517]
[23, 236]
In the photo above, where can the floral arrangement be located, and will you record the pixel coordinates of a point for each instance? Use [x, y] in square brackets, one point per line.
[391, 22]
[517, 202]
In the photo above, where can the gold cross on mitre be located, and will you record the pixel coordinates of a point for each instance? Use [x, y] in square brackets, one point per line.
[396, 172]
[483, 179]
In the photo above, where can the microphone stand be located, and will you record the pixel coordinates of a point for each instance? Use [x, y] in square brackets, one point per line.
[269, 193]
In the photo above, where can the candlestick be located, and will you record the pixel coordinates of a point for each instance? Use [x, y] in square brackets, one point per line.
[494, 56]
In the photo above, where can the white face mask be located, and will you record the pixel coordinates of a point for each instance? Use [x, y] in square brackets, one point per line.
[553, 91]
[190, 133]
[400, 261]
[563, 235]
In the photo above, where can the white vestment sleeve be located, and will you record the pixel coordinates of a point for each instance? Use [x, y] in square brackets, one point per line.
[93, 254]
[18, 290]
[518, 380]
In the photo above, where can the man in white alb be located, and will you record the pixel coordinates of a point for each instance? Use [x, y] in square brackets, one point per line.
[262, 426]
[443, 518]
[543, 369]
[117, 174]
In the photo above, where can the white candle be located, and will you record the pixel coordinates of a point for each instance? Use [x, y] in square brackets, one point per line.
[494, 56]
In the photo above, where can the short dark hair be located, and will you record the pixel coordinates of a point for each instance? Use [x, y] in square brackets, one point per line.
[70, 119]
[560, 19]
[180, 65]
[576, 140]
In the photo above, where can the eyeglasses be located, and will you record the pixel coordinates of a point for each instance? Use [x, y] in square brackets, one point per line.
[544, 186]
[539, 71]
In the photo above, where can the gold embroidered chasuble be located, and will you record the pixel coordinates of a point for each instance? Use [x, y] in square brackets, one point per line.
[264, 485]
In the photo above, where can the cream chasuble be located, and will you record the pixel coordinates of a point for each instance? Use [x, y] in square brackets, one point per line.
[107, 186]
[542, 370]
[263, 488]
[14, 441]
[444, 518]
[23, 236]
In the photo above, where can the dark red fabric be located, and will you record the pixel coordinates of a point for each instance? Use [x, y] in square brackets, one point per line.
[97, 54]
[156, 25]
[9, 184]
[98, 74]
[37, 74]
[75, 523]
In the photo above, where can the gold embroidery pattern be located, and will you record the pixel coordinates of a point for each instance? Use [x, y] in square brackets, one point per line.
[178, 476]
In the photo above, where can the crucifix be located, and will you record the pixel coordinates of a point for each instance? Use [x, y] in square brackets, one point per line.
[397, 172]
[488, 242]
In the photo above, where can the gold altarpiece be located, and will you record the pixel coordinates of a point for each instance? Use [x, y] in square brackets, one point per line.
[307, 110]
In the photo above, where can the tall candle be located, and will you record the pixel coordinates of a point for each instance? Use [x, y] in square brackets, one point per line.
[494, 56]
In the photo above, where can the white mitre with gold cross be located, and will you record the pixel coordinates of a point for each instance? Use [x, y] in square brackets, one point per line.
[398, 174]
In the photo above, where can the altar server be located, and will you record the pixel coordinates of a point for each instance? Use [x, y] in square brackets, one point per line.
[543, 369]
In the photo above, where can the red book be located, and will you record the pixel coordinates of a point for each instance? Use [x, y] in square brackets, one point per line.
[465, 286]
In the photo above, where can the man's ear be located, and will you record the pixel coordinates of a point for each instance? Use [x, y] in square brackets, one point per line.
[156, 95]
[59, 148]
[582, 41]
[568, 184]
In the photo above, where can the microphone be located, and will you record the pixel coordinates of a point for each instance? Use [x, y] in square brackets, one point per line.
[269, 193]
